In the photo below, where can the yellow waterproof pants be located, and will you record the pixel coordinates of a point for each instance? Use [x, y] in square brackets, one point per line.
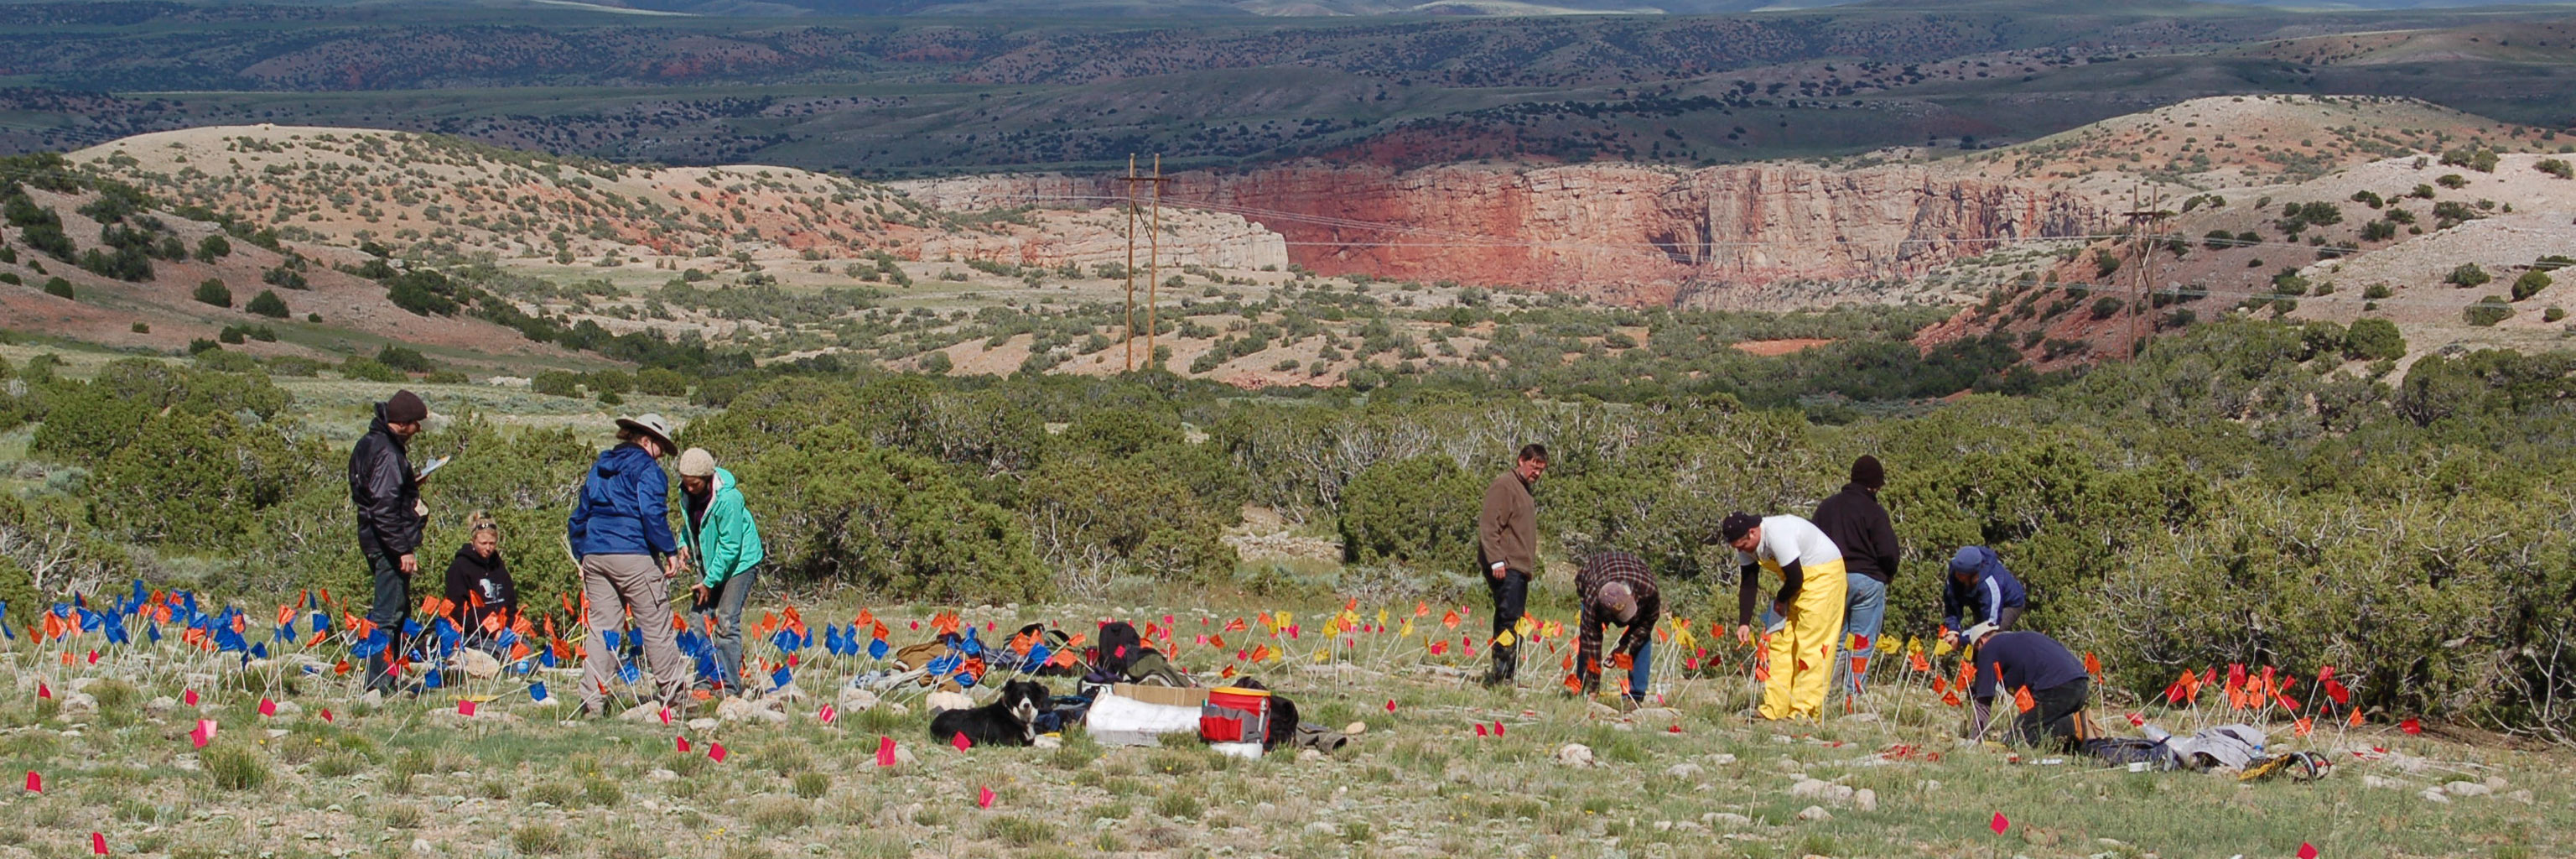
[1802, 653]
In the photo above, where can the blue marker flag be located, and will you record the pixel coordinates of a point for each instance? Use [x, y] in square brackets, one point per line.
[876, 648]
[537, 691]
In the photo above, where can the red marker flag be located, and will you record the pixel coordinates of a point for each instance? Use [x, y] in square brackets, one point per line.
[828, 714]
[1999, 824]
[98, 843]
[680, 743]
[93, 657]
[983, 797]
[267, 707]
[464, 707]
[1390, 705]
[666, 715]
[1498, 727]
[44, 691]
[35, 783]
[204, 733]
[1480, 731]
[961, 742]
[2411, 726]
[2307, 850]
[885, 751]
[326, 714]
[716, 752]
[189, 696]
[2136, 721]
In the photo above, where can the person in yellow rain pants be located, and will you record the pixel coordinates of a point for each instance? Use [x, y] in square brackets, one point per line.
[1809, 606]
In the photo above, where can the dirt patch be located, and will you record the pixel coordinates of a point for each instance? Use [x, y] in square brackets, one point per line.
[1773, 348]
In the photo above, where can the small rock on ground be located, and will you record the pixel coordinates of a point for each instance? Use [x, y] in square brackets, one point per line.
[1815, 813]
[1574, 755]
[2467, 788]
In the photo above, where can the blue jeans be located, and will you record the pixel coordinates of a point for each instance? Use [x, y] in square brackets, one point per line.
[729, 599]
[1863, 611]
[1643, 669]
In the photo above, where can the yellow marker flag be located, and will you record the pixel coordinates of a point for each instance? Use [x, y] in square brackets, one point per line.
[1943, 648]
[1407, 631]
[1320, 654]
[1505, 638]
[1282, 620]
[1523, 625]
[1381, 617]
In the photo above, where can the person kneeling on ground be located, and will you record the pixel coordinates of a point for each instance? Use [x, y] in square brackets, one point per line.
[1616, 587]
[2039, 676]
[478, 582]
[724, 544]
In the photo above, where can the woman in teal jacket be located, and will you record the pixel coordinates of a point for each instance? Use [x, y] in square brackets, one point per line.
[723, 545]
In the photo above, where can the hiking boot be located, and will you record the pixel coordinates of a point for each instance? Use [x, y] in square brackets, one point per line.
[1505, 665]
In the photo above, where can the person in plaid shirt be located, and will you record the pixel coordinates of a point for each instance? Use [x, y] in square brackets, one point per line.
[1616, 587]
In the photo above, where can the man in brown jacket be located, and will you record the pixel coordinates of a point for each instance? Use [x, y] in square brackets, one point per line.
[1507, 552]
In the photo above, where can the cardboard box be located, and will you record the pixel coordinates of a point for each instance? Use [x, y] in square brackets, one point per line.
[1167, 696]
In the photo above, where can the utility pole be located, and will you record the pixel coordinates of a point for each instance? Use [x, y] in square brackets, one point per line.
[1153, 259]
[2146, 221]
[1128, 332]
[1154, 264]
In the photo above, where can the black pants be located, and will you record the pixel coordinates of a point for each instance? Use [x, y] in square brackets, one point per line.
[2057, 720]
[392, 605]
[2008, 619]
[1511, 597]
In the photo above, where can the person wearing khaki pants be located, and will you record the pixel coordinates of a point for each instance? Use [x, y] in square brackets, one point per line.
[620, 532]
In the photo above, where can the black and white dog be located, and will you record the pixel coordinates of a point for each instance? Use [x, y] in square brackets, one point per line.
[1010, 720]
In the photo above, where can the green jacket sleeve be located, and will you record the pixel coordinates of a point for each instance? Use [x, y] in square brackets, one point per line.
[722, 542]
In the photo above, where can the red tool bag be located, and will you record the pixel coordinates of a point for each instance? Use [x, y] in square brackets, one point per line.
[1234, 715]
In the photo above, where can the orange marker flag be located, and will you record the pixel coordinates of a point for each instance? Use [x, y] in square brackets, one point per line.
[1352, 605]
[1450, 620]
[1421, 609]
[865, 618]
[2302, 726]
[2355, 721]
[1915, 658]
[2023, 701]
[1574, 684]
[2092, 666]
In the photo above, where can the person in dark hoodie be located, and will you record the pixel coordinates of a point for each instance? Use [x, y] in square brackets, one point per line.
[620, 533]
[1860, 527]
[387, 495]
[478, 582]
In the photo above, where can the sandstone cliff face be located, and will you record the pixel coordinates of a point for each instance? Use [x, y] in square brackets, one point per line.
[1100, 236]
[1721, 236]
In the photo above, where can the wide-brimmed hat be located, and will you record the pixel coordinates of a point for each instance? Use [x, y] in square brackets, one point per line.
[652, 424]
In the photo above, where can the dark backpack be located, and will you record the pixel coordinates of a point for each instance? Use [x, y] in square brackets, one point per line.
[1119, 647]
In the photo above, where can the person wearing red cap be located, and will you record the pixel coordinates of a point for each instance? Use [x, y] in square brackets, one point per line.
[390, 516]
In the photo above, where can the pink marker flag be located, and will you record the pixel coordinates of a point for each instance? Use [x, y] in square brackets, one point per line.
[680, 743]
[35, 783]
[204, 733]
[961, 742]
[828, 714]
[666, 715]
[885, 751]
[98, 843]
[1999, 824]
[267, 707]
[983, 797]
[2307, 850]
[716, 752]
[464, 707]
[190, 696]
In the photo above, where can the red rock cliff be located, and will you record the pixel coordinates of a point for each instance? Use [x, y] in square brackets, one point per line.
[1625, 233]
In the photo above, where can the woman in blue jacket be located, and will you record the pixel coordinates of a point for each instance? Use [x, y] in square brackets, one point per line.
[620, 534]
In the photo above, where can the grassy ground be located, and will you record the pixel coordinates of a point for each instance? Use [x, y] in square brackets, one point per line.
[1690, 779]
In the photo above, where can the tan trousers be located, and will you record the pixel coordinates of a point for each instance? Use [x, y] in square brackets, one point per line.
[615, 584]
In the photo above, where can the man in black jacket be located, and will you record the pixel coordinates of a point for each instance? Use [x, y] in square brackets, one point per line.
[1860, 527]
[387, 494]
